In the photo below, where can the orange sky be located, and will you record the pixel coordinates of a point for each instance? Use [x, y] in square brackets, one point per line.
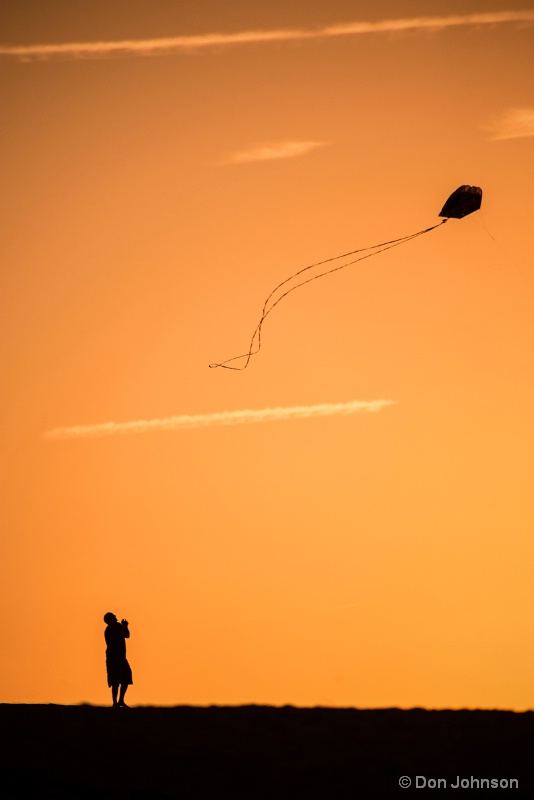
[375, 559]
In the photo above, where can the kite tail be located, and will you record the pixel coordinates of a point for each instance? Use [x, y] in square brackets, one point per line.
[270, 303]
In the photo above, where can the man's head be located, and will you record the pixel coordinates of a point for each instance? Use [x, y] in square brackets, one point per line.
[109, 618]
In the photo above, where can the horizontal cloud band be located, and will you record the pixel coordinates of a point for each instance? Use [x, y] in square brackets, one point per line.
[220, 418]
[514, 124]
[273, 150]
[180, 43]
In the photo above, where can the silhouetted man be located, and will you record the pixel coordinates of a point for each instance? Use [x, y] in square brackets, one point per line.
[118, 669]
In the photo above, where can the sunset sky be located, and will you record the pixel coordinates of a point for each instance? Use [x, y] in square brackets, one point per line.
[349, 521]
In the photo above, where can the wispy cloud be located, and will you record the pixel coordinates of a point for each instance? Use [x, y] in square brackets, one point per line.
[176, 44]
[273, 150]
[513, 124]
[220, 418]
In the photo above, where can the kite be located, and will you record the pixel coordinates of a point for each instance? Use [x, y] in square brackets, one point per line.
[462, 201]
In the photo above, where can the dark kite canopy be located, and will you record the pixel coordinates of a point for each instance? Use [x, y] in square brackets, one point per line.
[462, 202]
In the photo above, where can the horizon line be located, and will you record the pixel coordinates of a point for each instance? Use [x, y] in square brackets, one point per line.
[195, 41]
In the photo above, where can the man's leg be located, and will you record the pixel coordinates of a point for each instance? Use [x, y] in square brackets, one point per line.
[124, 688]
[114, 693]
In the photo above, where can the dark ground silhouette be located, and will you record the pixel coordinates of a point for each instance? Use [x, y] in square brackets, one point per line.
[258, 752]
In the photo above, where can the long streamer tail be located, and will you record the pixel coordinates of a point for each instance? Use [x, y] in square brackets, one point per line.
[272, 301]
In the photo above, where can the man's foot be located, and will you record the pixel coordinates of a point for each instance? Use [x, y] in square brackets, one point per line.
[124, 705]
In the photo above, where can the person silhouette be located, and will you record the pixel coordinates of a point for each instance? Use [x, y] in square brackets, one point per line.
[117, 667]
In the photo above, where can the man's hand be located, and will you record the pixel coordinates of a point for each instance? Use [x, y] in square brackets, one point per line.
[124, 622]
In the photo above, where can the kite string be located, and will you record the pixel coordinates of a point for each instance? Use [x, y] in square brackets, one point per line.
[385, 246]
[509, 258]
[345, 255]
[377, 248]
[382, 248]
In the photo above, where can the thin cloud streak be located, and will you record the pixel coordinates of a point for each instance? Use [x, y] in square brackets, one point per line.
[514, 124]
[273, 150]
[175, 44]
[221, 418]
